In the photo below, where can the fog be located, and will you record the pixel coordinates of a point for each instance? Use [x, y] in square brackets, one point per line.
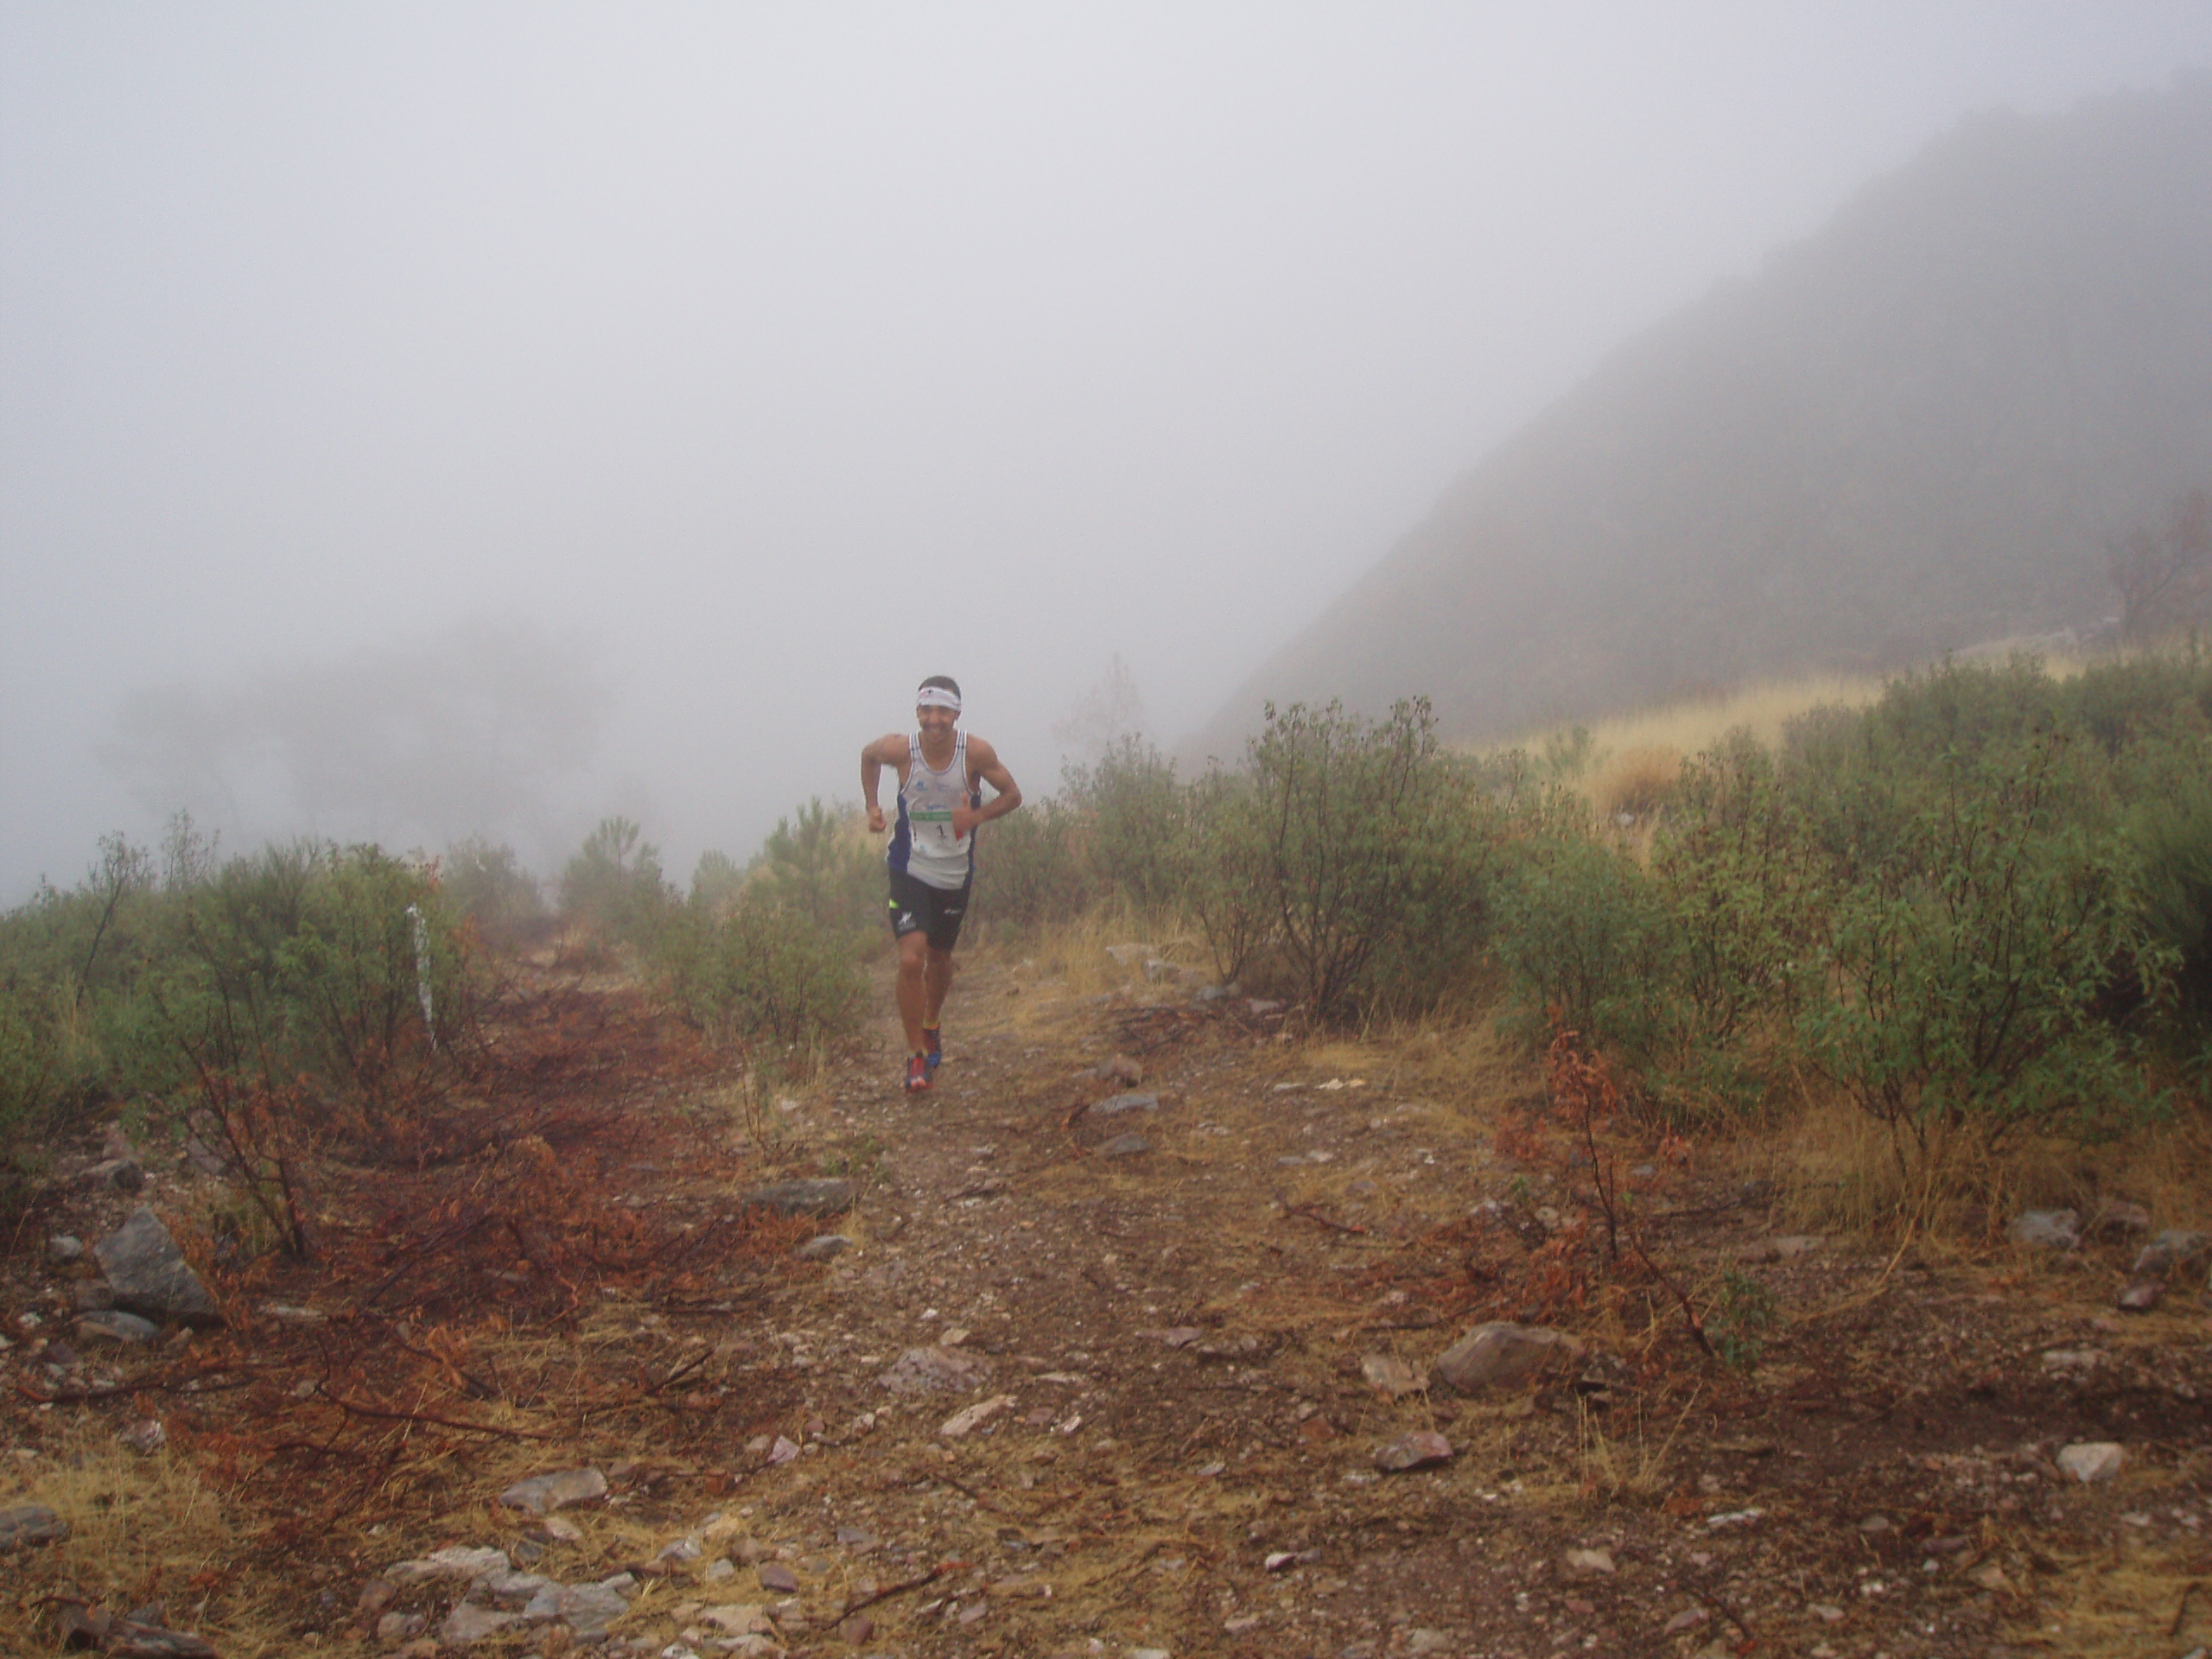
[421, 419]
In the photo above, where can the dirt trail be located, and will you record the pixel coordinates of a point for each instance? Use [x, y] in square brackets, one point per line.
[1186, 1331]
[1108, 1363]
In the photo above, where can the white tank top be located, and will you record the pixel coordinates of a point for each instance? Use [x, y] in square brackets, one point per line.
[924, 845]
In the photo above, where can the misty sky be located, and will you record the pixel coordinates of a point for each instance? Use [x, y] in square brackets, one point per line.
[743, 364]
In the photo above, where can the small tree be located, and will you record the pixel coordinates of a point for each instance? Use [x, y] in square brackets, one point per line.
[2164, 575]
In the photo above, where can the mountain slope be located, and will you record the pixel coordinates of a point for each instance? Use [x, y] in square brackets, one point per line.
[1914, 431]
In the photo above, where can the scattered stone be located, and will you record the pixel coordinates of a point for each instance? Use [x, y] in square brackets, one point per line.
[286, 1313]
[150, 1274]
[30, 1524]
[856, 1630]
[1688, 1619]
[1422, 1449]
[2170, 1249]
[1121, 1069]
[2092, 1461]
[819, 1198]
[457, 1562]
[2049, 1230]
[823, 1246]
[2119, 1218]
[931, 1369]
[738, 1618]
[1390, 1375]
[586, 1609]
[1501, 1354]
[777, 1579]
[783, 1451]
[127, 1329]
[1588, 1563]
[401, 1627]
[684, 1549]
[2140, 1295]
[469, 1624]
[145, 1437]
[1126, 1146]
[960, 1427]
[63, 1249]
[542, 1494]
[1126, 1103]
[377, 1594]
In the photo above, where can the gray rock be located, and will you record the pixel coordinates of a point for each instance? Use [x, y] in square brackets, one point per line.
[112, 1326]
[2140, 1295]
[1390, 1375]
[2093, 1460]
[63, 1249]
[818, 1198]
[823, 1246]
[30, 1524]
[2049, 1230]
[469, 1624]
[1126, 1146]
[1127, 1103]
[1502, 1354]
[457, 1563]
[774, 1575]
[586, 1609]
[2172, 1249]
[1421, 1450]
[542, 1494]
[1588, 1563]
[150, 1274]
[88, 1296]
[931, 1370]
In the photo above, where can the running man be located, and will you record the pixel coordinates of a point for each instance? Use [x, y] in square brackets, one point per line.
[932, 856]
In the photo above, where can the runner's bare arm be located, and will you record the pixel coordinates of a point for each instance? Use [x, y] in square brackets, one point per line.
[889, 750]
[983, 762]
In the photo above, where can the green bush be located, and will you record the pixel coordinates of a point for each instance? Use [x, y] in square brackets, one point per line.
[1135, 845]
[613, 884]
[1960, 984]
[822, 866]
[1357, 852]
[759, 977]
[1585, 936]
[1027, 871]
[488, 886]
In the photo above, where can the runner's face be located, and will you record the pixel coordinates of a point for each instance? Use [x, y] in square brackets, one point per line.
[936, 723]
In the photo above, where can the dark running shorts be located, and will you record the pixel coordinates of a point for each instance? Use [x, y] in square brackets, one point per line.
[917, 907]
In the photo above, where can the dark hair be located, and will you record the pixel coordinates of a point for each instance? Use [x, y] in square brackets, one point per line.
[942, 681]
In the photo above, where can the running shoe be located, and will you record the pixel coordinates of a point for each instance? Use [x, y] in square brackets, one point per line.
[935, 1054]
[917, 1074]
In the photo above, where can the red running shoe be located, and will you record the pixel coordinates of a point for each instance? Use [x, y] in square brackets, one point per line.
[917, 1074]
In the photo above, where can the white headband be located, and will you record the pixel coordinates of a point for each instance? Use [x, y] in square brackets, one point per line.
[936, 696]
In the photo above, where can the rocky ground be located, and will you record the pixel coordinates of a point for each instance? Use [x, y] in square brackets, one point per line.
[1131, 1345]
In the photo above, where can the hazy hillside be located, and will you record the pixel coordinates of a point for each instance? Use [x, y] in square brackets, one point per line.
[1912, 432]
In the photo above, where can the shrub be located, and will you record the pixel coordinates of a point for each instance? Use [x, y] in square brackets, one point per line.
[1961, 980]
[613, 884]
[822, 867]
[1586, 942]
[1356, 850]
[1135, 847]
[1026, 868]
[488, 885]
[757, 977]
